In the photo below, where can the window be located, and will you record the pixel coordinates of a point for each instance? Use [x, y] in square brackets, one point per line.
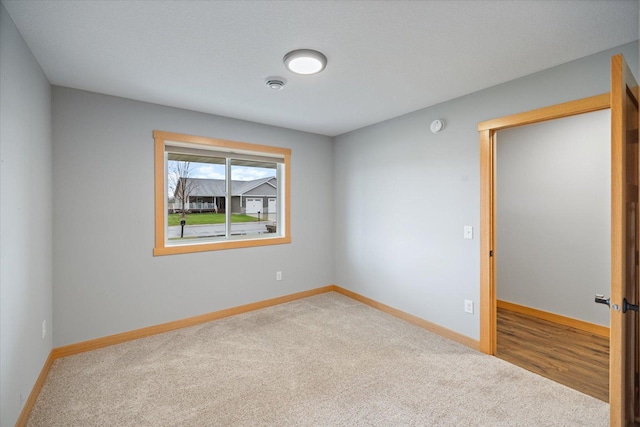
[213, 194]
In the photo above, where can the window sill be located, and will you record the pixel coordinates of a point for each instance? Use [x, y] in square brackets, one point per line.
[215, 246]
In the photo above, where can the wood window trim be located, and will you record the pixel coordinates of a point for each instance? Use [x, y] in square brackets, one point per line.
[160, 138]
[488, 130]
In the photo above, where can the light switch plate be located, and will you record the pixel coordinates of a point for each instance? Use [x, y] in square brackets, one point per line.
[468, 232]
[468, 306]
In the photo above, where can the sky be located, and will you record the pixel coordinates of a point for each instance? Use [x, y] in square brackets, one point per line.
[238, 173]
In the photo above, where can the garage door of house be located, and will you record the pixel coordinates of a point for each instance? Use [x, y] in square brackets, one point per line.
[272, 205]
[254, 206]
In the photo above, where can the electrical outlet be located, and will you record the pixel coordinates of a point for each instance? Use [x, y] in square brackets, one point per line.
[468, 232]
[278, 275]
[468, 306]
[44, 328]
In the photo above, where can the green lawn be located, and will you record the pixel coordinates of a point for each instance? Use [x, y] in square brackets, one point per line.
[209, 218]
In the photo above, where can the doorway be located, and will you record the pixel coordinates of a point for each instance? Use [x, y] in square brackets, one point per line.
[624, 366]
[553, 240]
[488, 135]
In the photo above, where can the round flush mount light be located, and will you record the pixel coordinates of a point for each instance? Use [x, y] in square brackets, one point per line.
[275, 83]
[305, 61]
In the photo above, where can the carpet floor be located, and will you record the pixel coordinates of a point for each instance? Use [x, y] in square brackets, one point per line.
[326, 360]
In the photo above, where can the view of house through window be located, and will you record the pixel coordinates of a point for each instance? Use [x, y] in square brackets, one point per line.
[215, 194]
[197, 190]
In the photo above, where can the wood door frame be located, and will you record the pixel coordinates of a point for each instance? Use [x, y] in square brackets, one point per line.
[488, 130]
[622, 393]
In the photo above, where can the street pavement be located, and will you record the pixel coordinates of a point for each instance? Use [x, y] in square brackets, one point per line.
[213, 230]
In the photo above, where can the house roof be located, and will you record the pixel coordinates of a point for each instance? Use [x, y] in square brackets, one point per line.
[241, 187]
[216, 187]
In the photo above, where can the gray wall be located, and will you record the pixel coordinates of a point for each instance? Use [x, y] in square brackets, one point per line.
[25, 220]
[106, 280]
[553, 232]
[402, 194]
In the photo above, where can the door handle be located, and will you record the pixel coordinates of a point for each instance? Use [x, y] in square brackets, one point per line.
[600, 299]
[626, 306]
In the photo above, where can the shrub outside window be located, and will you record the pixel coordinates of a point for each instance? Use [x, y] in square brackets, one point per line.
[213, 194]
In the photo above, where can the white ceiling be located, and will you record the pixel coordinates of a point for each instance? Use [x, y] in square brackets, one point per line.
[385, 58]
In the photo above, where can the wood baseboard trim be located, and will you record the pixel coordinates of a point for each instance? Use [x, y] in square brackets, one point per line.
[581, 325]
[432, 327]
[35, 392]
[97, 343]
[94, 344]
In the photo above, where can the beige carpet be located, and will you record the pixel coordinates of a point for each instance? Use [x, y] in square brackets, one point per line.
[326, 360]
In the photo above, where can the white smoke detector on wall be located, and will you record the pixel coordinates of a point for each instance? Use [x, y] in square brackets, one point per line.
[437, 125]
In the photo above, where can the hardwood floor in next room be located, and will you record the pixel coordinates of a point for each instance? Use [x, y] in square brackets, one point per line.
[572, 357]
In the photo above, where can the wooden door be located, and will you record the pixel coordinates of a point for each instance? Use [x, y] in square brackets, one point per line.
[623, 364]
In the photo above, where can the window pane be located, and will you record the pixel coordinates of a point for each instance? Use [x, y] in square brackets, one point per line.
[197, 196]
[254, 198]
[213, 194]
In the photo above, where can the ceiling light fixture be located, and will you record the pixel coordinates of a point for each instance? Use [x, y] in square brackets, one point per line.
[276, 83]
[305, 61]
